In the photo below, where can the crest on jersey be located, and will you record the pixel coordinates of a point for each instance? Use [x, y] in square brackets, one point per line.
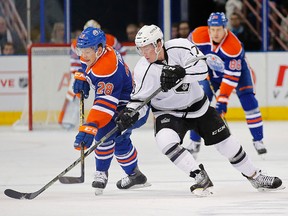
[184, 87]
[215, 63]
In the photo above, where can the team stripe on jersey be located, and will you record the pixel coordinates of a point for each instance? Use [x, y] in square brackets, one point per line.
[232, 73]
[245, 87]
[106, 104]
[231, 80]
[109, 98]
[128, 159]
[105, 151]
[103, 109]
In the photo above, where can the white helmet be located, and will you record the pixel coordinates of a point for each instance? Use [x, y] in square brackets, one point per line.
[92, 23]
[148, 34]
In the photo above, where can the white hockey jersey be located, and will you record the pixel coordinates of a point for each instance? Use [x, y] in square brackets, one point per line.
[185, 99]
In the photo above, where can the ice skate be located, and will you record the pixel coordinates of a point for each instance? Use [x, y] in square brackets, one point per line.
[100, 182]
[259, 146]
[136, 180]
[265, 183]
[203, 184]
[194, 148]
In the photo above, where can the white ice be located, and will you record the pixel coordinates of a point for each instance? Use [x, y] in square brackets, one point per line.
[29, 160]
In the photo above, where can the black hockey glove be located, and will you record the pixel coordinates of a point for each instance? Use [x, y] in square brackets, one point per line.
[170, 76]
[124, 120]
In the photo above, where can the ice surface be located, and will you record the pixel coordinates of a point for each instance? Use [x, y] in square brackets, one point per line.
[29, 160]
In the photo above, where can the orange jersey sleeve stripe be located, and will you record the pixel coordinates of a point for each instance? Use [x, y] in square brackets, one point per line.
[245, 87]
[112, 106]
[99, 118]
[233, 78]
[226, 89]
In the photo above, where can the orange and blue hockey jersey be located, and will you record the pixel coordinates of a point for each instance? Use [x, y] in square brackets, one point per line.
[112, 81]
[226, 60]
[229, 70]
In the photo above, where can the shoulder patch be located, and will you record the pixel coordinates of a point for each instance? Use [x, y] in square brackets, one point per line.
[200, 35]
[232, 46]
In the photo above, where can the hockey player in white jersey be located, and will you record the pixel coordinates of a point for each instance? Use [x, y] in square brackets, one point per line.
[183, 105]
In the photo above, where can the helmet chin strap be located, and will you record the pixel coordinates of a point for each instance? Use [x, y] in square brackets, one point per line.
[157, 53]
[98, 56]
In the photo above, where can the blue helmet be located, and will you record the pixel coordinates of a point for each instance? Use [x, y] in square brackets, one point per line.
[91, 37]
[217, 19]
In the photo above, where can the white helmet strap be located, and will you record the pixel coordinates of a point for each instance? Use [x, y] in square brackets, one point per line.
[157, 51]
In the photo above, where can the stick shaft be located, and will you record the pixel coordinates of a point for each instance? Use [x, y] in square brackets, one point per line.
[19, 195]
[82, 147]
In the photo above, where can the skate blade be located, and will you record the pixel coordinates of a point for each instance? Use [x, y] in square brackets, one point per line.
[202, 193]
[147, 184]
[262, 153]
[271, 189]
[98, 191]
[263, 156]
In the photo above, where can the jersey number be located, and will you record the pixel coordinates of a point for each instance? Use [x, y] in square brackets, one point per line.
[105, 88]
[235, 64]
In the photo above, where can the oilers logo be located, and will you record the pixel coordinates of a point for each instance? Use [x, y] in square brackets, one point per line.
[215, 63]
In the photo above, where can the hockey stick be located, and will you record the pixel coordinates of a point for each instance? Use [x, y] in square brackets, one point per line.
[19, 195]
[215, 96]
[80, 179]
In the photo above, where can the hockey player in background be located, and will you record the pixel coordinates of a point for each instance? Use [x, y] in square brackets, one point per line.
[182, 106]
[228, 70]
[69, 116]
[111, 80]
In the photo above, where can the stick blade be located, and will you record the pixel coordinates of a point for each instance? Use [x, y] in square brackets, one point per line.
[71, 180]
[18, 195]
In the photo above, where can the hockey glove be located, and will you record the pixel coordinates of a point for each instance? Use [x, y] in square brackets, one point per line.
[170, 76]
[124, 120]
[80, 84]
[221, 105]
[85, 136]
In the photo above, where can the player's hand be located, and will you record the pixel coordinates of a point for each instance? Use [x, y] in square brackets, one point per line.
[124, 120]
[80, 84]
[221, 105]
[170, 76]
[85, 136]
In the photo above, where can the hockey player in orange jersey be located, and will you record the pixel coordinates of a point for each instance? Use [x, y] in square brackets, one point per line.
[228, 70]
[69, 116]
[106, 73]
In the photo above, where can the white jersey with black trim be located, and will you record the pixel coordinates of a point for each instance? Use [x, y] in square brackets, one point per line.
[179, 100]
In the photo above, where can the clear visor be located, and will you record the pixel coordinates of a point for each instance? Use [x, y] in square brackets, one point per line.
[80, 51]
[145, 49]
